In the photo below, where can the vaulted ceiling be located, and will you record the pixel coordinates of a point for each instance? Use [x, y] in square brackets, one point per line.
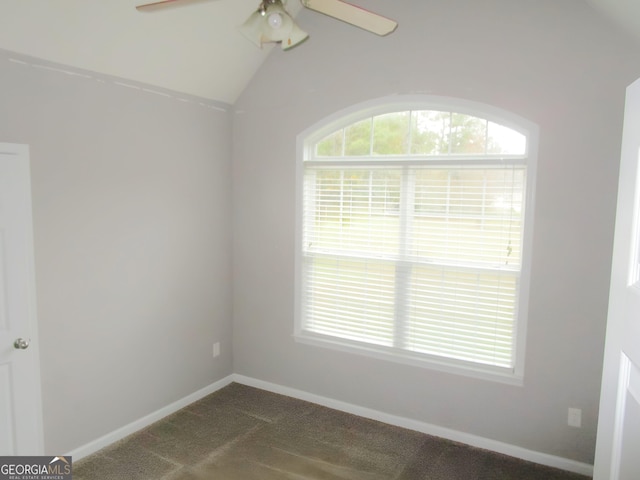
[194, 49]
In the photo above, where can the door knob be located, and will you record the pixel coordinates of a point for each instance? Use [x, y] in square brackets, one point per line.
[21, 343]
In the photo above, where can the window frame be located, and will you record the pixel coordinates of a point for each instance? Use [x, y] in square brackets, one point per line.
[306, 141]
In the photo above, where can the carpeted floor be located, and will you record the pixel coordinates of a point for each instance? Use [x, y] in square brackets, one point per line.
[242, 433]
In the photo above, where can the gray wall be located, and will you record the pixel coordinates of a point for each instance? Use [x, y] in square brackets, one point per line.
[131, 203]
[557, 64]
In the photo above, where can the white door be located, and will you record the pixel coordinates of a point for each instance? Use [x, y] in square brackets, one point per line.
[20, 403]
[618, 442]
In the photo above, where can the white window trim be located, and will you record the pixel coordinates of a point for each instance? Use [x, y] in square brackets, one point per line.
[307, 138]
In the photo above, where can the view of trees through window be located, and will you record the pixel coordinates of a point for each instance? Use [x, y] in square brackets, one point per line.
[422, 132]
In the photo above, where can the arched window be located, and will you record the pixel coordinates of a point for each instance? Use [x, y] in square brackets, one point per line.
[413, 234]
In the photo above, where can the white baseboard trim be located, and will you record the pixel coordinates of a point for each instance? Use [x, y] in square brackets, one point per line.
[423, 427]
[143, 422]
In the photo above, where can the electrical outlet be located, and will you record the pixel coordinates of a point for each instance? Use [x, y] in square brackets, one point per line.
[575, 417]
[216, 349]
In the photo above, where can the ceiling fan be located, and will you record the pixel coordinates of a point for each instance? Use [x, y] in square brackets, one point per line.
[271, 23]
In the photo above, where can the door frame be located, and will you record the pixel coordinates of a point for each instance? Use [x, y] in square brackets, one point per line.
[616, 366]
[35, 424]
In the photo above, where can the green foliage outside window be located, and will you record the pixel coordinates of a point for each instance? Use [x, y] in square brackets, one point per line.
[423, 132]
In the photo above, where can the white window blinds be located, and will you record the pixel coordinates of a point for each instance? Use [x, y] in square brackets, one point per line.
[409, 245]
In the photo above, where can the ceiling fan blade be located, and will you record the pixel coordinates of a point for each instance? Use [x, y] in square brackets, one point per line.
[354, 15]
[149, 7]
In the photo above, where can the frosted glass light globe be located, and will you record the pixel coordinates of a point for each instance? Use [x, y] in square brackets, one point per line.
[275, 20]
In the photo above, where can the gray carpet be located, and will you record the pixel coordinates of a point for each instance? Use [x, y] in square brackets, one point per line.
[243, 433]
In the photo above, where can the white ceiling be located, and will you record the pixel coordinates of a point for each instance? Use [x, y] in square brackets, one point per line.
[194, 49]
[626, 13]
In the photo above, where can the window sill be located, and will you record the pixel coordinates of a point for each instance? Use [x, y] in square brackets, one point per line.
[452, 366]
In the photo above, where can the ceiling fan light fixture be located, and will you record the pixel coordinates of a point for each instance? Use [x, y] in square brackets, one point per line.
[296, 36]
[252, 28]
[272, 24]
